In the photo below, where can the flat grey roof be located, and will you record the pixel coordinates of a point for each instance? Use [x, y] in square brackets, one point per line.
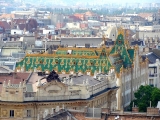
[81, 41]
[80, 79]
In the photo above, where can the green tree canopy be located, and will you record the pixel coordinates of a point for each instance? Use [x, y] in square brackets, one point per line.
[144, 95]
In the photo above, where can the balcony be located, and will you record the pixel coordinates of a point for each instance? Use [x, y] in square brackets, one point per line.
[153, 75]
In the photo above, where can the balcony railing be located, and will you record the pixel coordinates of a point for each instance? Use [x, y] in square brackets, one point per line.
[152, 75]
[31, 96]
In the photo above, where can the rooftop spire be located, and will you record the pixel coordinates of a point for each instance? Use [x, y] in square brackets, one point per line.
[103, 39]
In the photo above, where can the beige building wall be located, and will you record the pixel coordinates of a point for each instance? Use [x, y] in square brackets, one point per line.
[35, 110]
[130, 80]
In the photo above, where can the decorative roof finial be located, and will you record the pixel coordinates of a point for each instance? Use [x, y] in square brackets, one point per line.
[95, 74]
[64, 81]
[9, 83]
[83, 82]
[39, 82]
[71, 81]
[87, 82]
[20, 85]
[104, 39]
[4, 84]
[24, 83]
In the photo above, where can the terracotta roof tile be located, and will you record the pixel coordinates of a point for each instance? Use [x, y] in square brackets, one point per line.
[5, 16]
[145, 15]
[74, 18]
[18, 21]
[21, 26]
[5, 25]
[15, 78]
[82, 117]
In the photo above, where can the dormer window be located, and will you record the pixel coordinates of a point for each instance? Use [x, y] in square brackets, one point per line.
[119, 41]
[103, 54]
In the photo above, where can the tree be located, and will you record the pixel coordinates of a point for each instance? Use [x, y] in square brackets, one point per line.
[144, 95]
[155, 96]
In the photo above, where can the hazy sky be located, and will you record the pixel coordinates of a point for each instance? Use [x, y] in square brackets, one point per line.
[110, 1]
[131, 1]
[99, 2]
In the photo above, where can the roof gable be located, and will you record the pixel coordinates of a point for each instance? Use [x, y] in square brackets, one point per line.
[120, 47]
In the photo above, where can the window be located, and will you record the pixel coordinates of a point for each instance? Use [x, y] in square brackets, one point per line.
[151, 81]
[119, 42]
[41, 62]
[28, 113]
[11, 113]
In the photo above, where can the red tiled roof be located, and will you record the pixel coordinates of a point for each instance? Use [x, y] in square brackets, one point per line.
[18, 21]
[7, 16]
[75, 18]
[22, 26]
[60, 25]
[145, 15]
[15, 78]
[5, 25]
[89, 13]
[81, 116]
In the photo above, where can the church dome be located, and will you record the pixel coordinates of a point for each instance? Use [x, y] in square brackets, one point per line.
[111, 33]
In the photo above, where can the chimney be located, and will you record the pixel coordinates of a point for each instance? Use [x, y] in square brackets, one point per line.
[49, 36]
[35, 35]
[135, 109]
[76, 74]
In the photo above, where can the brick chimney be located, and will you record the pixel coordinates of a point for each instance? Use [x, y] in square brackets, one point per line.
[135, 109]
[152, 111]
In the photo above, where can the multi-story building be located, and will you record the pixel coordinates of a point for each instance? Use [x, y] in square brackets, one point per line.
[130, 70]
[87, 16]
[93, 77]
[154, 67]
[36, 97]
[154, 74]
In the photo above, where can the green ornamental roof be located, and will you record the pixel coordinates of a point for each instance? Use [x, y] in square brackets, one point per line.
[80, 59]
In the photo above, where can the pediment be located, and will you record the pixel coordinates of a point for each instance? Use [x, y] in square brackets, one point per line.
[54, 87]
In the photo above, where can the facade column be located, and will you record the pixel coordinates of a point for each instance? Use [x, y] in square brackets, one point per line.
[35, 112]
[119, 94]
